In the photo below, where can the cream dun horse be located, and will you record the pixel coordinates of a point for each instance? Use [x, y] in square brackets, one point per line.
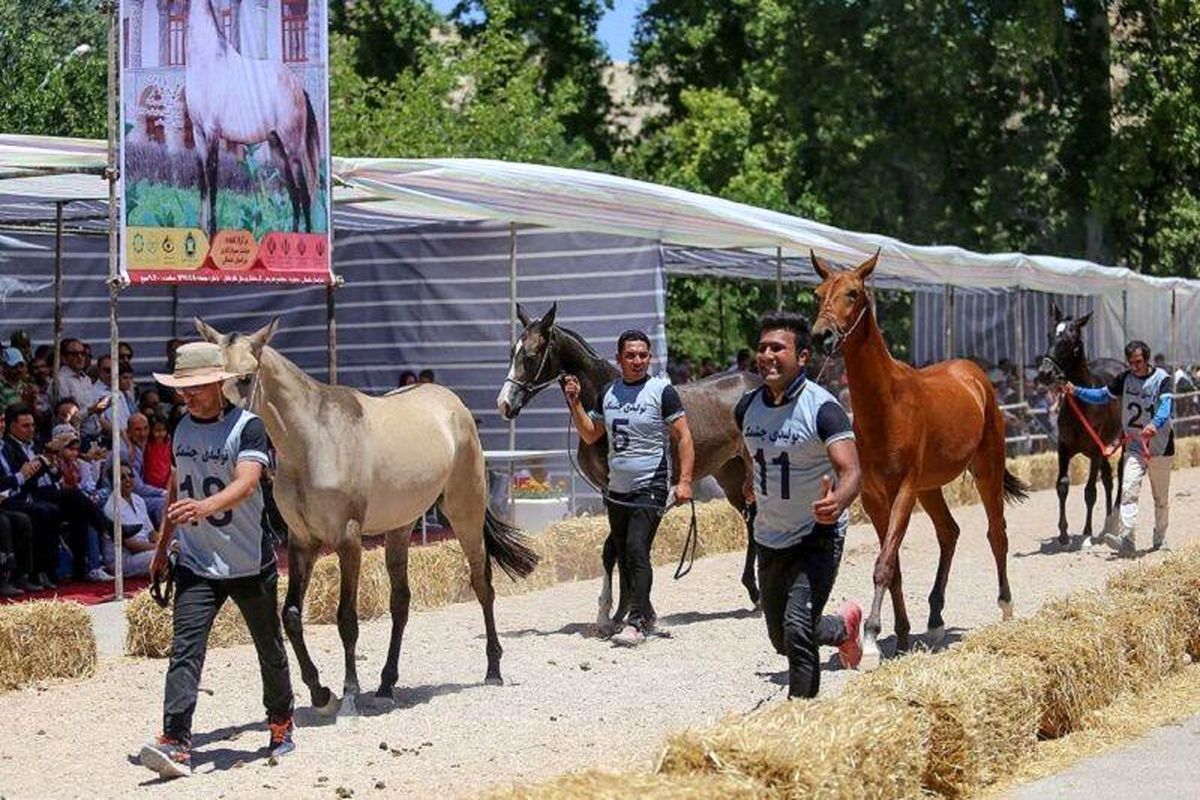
[244, 101]
[350, 465]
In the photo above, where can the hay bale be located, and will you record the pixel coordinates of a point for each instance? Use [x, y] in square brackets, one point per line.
[1177, 579]
[982, 708]
[597, 785]
[576, 545]
[325, 587]
[1149, 628]
[1081, 656]
[838, 748]
[45, 639]
[438, 575]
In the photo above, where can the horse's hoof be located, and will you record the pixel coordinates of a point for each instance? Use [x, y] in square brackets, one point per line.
[1006, 609]
[935, 636]
[349, 705]
[870, 660]
[1064, 540]
[330, 707]
[493, 680]
[385, 693]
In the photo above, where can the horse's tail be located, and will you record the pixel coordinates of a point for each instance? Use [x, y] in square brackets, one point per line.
[312, 147]
[1015, 490]
[508, 547]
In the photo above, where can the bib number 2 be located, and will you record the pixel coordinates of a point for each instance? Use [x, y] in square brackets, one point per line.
[211, 485]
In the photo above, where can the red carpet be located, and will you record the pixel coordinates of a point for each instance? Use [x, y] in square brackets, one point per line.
[89, 593]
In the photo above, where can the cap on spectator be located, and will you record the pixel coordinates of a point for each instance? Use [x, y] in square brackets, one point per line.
[12, 357]
[64, 429]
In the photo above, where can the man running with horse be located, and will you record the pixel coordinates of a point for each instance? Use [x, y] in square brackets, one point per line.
[794, 432]
[224, 551]
[1146, 403]
[636, 413]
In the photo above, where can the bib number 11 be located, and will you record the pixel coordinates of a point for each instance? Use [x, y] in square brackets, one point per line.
[785, 474]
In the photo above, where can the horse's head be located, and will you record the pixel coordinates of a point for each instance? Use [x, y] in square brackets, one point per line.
[844, 301]
[241, 353]
[534, 364]
[1066, 347]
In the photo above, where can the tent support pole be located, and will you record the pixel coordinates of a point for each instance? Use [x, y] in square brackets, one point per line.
[115, 283]
[1020, 331]
[949, 294]
[1125, 315]
[174, 310]
[58, 319]
[778, 278]
[512, 340]
[1172, 360]
[331, 331]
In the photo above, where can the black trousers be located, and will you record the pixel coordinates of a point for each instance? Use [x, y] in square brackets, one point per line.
[795, 584]
[197, 601]
[78, 512]
[632, 528]
[16, 545]
[47, 527]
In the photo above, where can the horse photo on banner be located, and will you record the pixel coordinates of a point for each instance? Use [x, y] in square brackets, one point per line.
[225, 169]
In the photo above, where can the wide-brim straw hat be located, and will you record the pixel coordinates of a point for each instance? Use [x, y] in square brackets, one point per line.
[196, 364]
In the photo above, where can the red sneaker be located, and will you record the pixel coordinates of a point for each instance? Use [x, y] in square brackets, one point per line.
[850, 651]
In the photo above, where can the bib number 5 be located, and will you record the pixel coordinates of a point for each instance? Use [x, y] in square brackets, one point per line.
[211, 485]
[620, 435]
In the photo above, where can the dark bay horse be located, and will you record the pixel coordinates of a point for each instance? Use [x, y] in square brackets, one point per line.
[1066, 361]
[916, 430]
[545, 351]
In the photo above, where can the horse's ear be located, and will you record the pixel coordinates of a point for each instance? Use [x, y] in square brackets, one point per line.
[260, 337]
[865, 269]
[1055, 313]
[1084, 320]
[206, 331]
[822, 269]
[522, 316]
[548, 320]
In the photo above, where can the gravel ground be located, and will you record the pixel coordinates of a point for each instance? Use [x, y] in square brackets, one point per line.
[571, 700]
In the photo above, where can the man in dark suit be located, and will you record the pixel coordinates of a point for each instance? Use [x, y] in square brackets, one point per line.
[36, 492]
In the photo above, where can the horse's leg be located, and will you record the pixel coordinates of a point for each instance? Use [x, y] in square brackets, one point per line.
[201, 150]
[1089, 495]
[608, 557]
[396, 557]
[731, 476]
[1063, 485]
[989, 470]
[1106, 477]
[464, 504]
[303, 190]
[212, 162]
[934, 503]
[300, 561]
[885, 514]
[283, 163]
[350, 564]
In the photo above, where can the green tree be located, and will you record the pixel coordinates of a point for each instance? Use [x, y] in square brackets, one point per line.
[385, 37]
[561, 37]
[55, 74]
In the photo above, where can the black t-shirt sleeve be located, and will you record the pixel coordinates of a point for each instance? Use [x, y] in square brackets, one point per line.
[253, 445]
[671, 404]
[832, 421]
[739, 411]
[1116, 386]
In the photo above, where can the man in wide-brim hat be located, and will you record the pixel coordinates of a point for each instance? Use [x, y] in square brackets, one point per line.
[223, 551]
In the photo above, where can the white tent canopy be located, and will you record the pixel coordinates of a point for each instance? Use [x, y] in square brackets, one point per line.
[1128, 303]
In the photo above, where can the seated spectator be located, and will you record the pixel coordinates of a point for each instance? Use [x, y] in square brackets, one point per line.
[16, 555]
[156, 462]
[14, 388]
[132, 448]
[407, 378]
[166, 393]
[125, 353]
[745, 361]
[40, 494]
[20, 340]
[77, 471]
[73, 382]
[426, 376]
[139, 534]
[125, 406]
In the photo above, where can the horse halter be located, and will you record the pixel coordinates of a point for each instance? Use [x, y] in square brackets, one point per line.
[840, 336]
[533, 386]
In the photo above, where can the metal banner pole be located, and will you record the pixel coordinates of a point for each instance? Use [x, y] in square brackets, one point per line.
[114, 290]
[1020, 330]
[949, 293]
[1172, 357]
[58, 318]
[512, 334]
[331, 331]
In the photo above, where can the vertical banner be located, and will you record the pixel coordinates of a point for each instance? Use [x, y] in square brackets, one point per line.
[225, 168]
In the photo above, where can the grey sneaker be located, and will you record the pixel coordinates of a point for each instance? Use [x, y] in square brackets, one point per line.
[629, 636]
[1122, 544]
[170, 758]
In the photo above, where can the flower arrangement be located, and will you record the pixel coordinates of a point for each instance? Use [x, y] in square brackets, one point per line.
[528, 488]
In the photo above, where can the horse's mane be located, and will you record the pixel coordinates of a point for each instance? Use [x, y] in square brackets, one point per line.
[579, 340]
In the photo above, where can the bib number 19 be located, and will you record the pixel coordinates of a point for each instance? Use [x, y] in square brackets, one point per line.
[211, 485]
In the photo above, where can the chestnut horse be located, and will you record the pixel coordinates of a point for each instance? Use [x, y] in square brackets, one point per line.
[916, 430]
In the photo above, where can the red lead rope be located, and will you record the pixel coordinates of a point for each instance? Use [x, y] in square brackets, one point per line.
[1109, 451]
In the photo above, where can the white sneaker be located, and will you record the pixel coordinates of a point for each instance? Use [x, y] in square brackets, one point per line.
[98, 575]
[629, 636]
